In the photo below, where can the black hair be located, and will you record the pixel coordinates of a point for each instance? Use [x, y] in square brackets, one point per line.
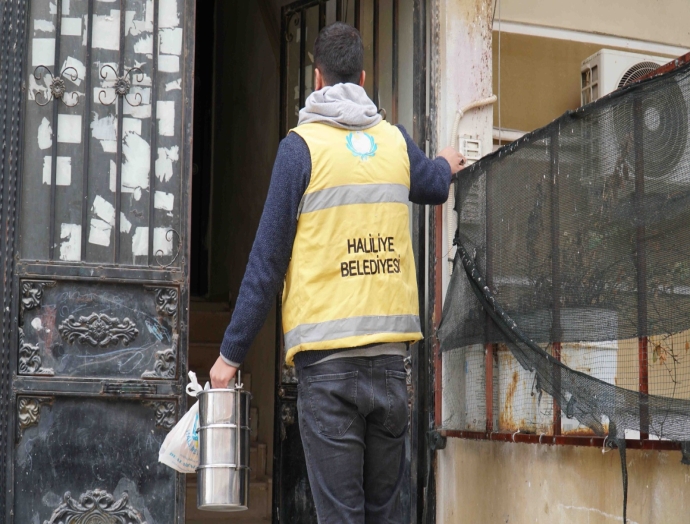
[339, 54]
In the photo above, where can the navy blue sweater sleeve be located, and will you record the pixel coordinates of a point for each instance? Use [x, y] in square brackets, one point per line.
[272, 248]
[429, 179]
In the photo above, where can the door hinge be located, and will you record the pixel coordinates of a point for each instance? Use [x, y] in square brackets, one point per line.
[436, 440]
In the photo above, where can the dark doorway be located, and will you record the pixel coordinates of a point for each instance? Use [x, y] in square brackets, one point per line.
[202, 155]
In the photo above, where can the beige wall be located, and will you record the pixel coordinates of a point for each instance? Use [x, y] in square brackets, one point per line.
[664, 21]
[540, 78]
[493, 482]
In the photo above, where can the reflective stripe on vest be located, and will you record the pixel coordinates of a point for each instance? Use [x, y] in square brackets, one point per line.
[351, 327]
[354, 194]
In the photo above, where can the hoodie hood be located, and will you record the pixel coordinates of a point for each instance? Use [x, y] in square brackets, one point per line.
[346, 106]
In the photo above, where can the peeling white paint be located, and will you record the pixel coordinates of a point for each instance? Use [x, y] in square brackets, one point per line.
[171, 42]
[63, 170]
[45, 134]
[47, 26]
[43, 52]
[69, 129]
[100, 232]
[70, 247]
[164, 162]
[175, 84]
[112, 183]
[106, 31]
[37, 324]
[140, 242]
[78, 66]
[86, 30]
[104, 128]
[109, 146]
[65, 7]
[163, 200]
[169, 64]
[70, 26]
[165, 113]
[168, 15]
[103, 210]
[125, 225]
[162, 241]
[137, 27]
[144, 45]
[131, 125]
[36, 88]
[140, 111]
[137, 164]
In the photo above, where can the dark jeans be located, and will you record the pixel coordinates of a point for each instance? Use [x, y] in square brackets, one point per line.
[353, 422]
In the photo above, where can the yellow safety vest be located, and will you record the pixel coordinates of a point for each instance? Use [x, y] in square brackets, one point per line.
[351, 280]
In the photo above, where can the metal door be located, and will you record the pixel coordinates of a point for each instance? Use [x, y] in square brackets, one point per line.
[100, 287]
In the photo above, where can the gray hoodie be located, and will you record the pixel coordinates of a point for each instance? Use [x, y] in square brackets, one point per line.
[346, 106]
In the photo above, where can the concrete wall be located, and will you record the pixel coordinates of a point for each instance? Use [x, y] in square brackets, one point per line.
[494, 482]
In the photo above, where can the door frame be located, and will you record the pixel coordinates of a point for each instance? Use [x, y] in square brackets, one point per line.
[422, 463]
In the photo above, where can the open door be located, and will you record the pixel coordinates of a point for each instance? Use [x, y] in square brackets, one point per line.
[99, 349]
[387, 30]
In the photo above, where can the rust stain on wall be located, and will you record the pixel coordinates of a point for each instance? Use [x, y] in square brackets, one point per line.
[506, 421]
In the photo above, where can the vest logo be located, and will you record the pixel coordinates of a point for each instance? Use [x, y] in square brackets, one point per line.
[361, 145]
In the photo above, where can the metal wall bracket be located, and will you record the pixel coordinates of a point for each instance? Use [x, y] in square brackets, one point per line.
[436, 440]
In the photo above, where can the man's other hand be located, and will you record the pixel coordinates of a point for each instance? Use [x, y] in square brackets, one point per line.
[221, 374]
[456, 160]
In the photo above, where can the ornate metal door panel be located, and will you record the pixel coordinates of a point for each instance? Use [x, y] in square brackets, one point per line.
[101, 283]
[68, 446]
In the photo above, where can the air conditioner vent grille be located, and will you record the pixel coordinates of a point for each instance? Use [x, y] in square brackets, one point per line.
[637, 71]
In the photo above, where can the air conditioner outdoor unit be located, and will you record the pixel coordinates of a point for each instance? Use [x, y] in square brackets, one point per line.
[608, 70]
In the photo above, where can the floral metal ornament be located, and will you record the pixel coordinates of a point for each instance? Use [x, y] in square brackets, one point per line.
[165, 413]
[32, 293]
[122, 85]
[166, 362]
[95, 507]
[57, 86]
[29, 412]
[98, 329]
[166, 302]
[30, 362]
[361, 145]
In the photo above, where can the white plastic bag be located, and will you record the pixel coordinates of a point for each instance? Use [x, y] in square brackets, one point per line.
[180, 449]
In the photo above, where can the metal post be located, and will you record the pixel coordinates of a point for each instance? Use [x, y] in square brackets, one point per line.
[154, 136]
[641, 263]
[54, 148]
[556, 328]
[120, 116]
[87, 134]
[490, 349]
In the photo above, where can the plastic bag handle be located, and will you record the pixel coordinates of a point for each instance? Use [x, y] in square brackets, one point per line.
[193, 387]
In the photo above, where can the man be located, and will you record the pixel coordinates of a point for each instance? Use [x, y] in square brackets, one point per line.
[335, 230]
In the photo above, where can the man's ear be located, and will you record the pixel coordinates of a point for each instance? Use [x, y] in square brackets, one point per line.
[362, 78]
[318, 80]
